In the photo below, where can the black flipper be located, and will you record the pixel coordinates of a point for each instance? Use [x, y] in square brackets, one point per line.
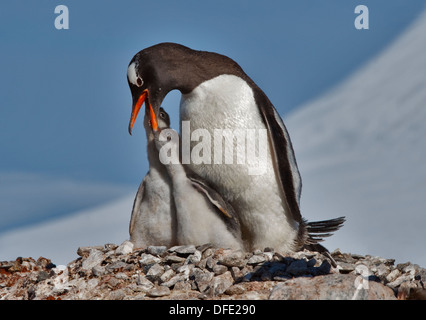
[282, 154]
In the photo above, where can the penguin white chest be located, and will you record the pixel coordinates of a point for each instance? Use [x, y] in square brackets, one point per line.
[221, 115]
[227, 103]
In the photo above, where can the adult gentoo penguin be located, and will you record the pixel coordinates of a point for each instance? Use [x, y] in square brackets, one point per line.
[218, 94]
[202, 216]
[153, 220]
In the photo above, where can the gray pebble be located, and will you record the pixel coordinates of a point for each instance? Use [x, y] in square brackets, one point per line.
[110, 246]
[204, 247]
[42, 275]
[98, 271]
[221, 283]
[235, 289]
[207, 253]
[194, 258]
[382, 271]
[113, 282]
[183, 250]
[234, 259]
[185, 270]
[144, 284]
[85, 251]
[210, 262]
[174, 259]
[345, 267]
[398, 281]
[202, 264]
[95, 258]
[125, 248]
[159, 291]
[154, 273]
[201, 278]
[157, 250]
[121, 276]
[117, 295]
[117, 266]
[255, 259]
[236, 273]
[147, 259]
[182, 285]
[167, 275]
[219, 269]
[172, 281]
[393, 275]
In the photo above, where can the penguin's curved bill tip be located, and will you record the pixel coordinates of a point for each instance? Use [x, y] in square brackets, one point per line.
[154, 123]
[136, 108]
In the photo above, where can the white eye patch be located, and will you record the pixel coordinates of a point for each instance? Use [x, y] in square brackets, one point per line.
[132, 75]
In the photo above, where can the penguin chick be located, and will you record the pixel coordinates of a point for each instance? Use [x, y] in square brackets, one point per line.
[202, 215]
[153, 220]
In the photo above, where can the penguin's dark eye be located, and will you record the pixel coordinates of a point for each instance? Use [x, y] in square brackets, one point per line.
[162, 115]
[139, 82]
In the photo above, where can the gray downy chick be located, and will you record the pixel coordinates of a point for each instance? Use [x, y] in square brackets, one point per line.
[153, 220]
[202, 215]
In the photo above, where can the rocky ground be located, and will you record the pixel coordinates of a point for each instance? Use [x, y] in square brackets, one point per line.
[204, 272]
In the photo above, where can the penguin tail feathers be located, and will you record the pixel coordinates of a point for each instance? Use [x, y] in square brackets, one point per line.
[311, 233]
[318, 230]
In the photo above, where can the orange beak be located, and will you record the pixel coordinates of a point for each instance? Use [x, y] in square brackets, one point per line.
[137, 108]
[153, 118]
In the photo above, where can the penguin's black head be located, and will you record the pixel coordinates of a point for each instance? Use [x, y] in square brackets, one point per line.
[155, 71]
[143, 86]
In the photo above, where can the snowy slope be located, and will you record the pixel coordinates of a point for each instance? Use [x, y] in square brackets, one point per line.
[59, 239]
[361, 150]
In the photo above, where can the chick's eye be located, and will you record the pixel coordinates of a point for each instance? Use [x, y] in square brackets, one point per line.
[162, 115]
[139, 82]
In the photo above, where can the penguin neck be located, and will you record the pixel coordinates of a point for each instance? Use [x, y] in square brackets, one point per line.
[175, 169]
[179, 74]
[185, 69]
[155, 165]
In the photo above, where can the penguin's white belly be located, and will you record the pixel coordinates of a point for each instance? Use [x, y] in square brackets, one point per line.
[227, 102]
[154, 221]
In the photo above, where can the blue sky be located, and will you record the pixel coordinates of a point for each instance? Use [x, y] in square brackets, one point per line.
[65, 103]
